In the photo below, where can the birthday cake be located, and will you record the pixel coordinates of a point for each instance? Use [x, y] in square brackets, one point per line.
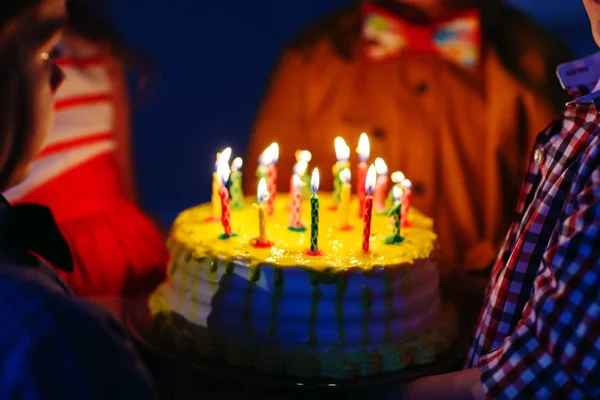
[339, 312]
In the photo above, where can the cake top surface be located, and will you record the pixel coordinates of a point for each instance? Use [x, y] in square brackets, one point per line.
[197, 233]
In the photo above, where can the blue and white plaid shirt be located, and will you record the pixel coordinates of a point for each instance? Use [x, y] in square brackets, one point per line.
[539, 332]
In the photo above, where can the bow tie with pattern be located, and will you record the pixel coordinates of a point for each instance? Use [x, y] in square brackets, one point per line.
[457, 39]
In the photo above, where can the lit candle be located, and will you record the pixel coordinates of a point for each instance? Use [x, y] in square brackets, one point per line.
[299, 170]
[222, 157]
[407, 188]
[396, 178]
[306, 157]
[314, 212]
[396, 212]
[344, 209]
[296, 207]
[381, 185]
[272, 176]
[261, 169]
[235, 184]
[364, 152]
[223, 174]
[262, 196]
[369, 189]
[342, 153]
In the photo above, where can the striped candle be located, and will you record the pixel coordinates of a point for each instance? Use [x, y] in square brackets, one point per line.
[314, 212]
[369, 189]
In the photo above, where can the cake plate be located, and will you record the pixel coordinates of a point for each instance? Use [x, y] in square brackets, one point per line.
[139, 323]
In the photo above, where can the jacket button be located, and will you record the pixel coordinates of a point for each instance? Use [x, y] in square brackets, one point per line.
[379, 133]
[538, 157]
[418, 188]
[421, 88]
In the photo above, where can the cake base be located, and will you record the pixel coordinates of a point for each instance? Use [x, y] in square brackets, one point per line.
[183, 352]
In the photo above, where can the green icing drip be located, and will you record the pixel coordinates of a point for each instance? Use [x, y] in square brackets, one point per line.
[229, 266]
[212, 269]
[389, 303]
[214, 265]
[367, 299]
[277, 276]
[314, 311]
[253, 277]
[325, 277]
[173, 266]
[339, 307]
[254, 273]
[369, 273]
[276, 299]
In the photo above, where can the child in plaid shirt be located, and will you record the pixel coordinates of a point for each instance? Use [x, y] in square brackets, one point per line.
[538, 334]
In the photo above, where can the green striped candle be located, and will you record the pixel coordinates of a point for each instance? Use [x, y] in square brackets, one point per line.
[314, 212]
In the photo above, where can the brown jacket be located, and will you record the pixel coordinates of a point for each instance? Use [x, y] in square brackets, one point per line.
[462, 137]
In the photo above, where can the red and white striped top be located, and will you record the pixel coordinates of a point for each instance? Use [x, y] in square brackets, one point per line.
[83, 125]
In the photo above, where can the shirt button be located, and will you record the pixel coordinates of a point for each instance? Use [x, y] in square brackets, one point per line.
[418, 188]
[421, 88]
[379, 133]
[538, 156]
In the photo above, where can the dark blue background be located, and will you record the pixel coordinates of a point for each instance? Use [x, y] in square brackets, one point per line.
[214, 60]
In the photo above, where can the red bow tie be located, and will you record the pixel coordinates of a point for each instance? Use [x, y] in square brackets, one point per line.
[457, 38]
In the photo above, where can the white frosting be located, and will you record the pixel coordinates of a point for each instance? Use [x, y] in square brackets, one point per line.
[234, 308]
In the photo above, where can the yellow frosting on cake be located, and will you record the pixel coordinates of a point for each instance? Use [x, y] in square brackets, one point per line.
[342, 248]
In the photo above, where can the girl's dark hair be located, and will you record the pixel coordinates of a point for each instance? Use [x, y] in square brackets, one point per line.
[15, 89]
[91, 20]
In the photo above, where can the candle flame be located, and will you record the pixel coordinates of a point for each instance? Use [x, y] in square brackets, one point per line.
[237, 164]
[300, 167]
[314, 181]
[380, 166]
[371, 179]
[303, 155]
[274, 152]
[296, 182]
[346, 176]
[398, 177]
[342, 151]
[266, 158]
[262, 194]
[223, 173]
[406, 184]
[270, 155]
[364, 148]
[398, 193]
[224, 156]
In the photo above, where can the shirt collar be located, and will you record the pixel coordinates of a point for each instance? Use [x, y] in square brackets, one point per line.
[581, 78]
[31, 228]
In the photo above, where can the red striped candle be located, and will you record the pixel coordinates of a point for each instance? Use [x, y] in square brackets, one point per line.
[226, 210]
[364, 152]
[223, 174]
[272, 158]
[296, 209]
[381, 185]
[369, 188]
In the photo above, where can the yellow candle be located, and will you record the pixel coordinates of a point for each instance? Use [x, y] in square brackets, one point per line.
[344, 207]
[262, 220]
[262, 195]
[342, 153]
[215, 199]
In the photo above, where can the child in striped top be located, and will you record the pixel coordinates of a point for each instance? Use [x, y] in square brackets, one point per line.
[84, 173]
